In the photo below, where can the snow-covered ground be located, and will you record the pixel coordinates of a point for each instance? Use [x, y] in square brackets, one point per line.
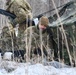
[14, 68]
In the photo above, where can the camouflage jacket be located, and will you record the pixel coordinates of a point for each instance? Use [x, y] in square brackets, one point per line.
[33, 39]
[20, 8]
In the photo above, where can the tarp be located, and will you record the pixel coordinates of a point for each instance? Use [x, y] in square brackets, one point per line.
[65, 33]
[68, 17]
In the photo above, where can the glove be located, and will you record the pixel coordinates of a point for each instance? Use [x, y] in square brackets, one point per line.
[39, 16]
[13, 22]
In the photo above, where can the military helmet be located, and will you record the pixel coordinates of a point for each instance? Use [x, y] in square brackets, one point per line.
[44, 21]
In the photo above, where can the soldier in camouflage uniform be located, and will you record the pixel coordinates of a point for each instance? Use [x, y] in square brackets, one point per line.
[37, 39]
[22, 10]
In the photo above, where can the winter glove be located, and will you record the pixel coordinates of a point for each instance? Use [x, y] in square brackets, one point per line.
[39, 16]
[13, 22]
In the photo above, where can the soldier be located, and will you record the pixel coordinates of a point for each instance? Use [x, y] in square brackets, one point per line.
[37, 39]
[22, 10]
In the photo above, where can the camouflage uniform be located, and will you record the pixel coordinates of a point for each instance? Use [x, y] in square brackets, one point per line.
[20, 8]
[33, 40]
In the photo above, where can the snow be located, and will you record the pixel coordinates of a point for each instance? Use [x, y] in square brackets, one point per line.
[7, 56]
[15, 68]
[0, 57]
